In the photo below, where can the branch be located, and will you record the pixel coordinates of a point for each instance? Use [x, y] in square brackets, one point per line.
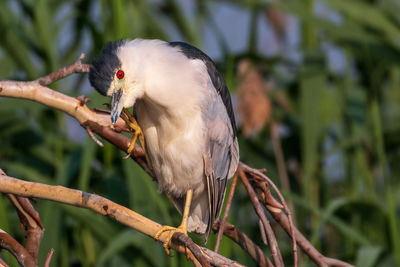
[271, 203]
[76, 67]
[226, 212]
[48, 258]
[2, 263]
[245, 243]
[286, 223]
[32, 224]
[20, 253]
[275, 252]
[305, 245]
[30, 219]
[97, 121]
[104, 207]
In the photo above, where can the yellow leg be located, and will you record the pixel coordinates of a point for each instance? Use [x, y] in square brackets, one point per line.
[181, 228]
[132, 123]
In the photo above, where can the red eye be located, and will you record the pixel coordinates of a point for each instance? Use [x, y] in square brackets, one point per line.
[120, 74]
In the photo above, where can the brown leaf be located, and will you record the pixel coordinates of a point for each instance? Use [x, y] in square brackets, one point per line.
[254, 104]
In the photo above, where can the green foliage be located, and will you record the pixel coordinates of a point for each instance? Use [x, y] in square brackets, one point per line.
[343, 127]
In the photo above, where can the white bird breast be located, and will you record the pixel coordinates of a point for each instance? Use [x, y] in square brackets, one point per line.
[175, 148]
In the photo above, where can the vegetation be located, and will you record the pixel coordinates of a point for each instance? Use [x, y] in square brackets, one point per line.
[340, 125]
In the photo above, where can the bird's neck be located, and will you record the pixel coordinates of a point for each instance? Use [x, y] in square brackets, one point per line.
[165, 114]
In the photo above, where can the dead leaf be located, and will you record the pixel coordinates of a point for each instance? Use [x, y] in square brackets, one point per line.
[254, 104]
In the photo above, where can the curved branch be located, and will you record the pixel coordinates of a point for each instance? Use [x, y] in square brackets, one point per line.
[102, 206]
[31, 222]
[97, 121]
[2, 263]
[275, 252]
[20, 253]
[76, 67]
[245, 243]
[305, 245]
[270, 203]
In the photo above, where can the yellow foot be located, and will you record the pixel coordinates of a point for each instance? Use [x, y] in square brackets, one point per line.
[138, 132]
[132, 123]
[172, 230]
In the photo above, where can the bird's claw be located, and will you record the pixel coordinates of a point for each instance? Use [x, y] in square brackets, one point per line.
[132, 123]
[172, 230]
[136, 134]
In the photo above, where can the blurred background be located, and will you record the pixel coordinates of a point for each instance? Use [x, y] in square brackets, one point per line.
[315, 86]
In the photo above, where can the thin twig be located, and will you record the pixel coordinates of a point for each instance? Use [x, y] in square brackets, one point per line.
[245, 243]
[48, 258]
[280, 160]
[286, 208]
[20, 253]
[194, 249]
[30, 219]
[33, 229]
[217, 260]
[76, 67]
[275, 252]
[305, 245]
[3, 263]
[226, 212]
[94, 138]
[262, 232]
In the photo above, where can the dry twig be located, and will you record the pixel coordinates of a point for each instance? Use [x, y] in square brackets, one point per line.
[305, 245]
[245, 243]
[20, 253]
[33, 227]
[2, 263]
[226, 212]
[275, 252]
[270, 200]
[48, 258]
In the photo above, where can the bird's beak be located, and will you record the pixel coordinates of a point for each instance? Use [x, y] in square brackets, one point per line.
[117, 103]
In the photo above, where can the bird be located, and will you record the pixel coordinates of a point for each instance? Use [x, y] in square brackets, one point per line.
[183, 112]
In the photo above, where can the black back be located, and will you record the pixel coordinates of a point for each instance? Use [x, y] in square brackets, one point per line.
[104, 67]
[216, 77]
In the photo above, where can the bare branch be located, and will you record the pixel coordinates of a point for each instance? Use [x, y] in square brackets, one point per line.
[226, 212]
[48, 258]
[275, 252]
[3, 263]
[305, 245]
[32, 224]
[280, 160]
[30, 219]
[76, 67]
[245, 243]
[271, 202]
[20, 253]
[94, 138]
[97, 121]
[102, 206]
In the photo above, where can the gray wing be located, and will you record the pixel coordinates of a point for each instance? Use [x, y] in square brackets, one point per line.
[222, 155]
[216, 77]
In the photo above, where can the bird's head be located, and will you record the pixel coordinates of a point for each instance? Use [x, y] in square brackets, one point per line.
[113, 73]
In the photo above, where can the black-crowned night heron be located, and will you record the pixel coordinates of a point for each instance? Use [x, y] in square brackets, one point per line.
[184, 110]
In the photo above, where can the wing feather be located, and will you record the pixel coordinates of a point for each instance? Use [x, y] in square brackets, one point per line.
[221, 155]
